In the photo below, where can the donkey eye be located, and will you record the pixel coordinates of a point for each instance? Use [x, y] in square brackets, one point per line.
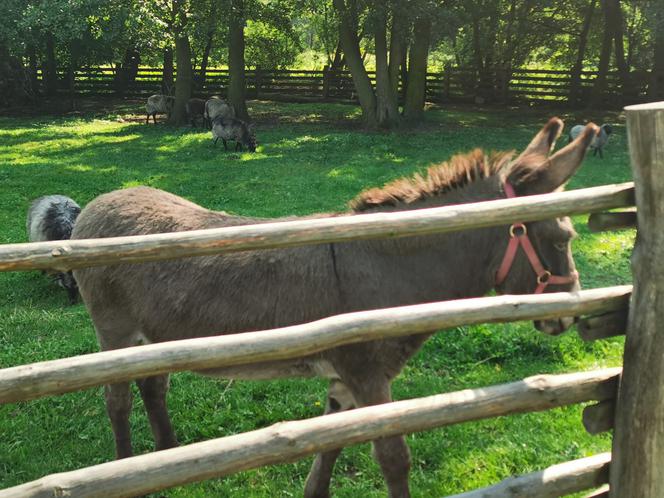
[561, 246]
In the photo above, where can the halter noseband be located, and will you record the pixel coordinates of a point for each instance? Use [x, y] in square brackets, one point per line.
[519, 237]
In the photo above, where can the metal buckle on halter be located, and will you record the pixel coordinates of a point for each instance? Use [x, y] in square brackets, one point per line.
[520, 226]
[544, 277]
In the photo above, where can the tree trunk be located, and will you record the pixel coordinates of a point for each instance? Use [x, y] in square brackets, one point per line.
[338, 61]
[398, 47]
[616, 23]
[236, 83]
[74, 52]
[351, 48]
[599, 88]
[202, 74]
[575, 74]
[417, 73]
[50, 72]
[167, 83]
[33, 89]
[656, 86]
[387, 109]
[183, 82]
[127, 70]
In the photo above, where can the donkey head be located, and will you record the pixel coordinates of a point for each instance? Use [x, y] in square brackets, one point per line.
[541, 254]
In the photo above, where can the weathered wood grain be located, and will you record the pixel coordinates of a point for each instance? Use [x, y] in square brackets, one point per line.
[70, 374]
[553, 482]
[66, 255]
[602, 492]
[600, 417]
[603, 326]
[289, 441]
[638, 442]
[620, 220]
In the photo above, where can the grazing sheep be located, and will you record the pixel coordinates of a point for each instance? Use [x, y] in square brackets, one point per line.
[52, 217]
[234, 129]
[217, 108]
[195, 109]
[159, 104]
[598, 142]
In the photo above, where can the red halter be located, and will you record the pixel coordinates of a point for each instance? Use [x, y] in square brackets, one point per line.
[519, 237]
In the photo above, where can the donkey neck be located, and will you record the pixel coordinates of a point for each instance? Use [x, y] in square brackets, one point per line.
[381, 273]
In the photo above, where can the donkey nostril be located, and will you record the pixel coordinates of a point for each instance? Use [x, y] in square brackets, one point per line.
[334, 404]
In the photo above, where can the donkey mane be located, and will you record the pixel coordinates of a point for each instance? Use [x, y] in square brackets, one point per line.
[458, 172]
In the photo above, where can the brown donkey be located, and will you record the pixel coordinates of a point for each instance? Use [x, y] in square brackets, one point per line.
[208, 295]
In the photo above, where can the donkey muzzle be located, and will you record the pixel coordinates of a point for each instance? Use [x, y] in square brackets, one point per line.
[555, 326]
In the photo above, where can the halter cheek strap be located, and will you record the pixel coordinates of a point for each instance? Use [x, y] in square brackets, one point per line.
[519, 238]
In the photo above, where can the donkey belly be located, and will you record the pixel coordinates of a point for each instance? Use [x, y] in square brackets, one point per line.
[295, 368]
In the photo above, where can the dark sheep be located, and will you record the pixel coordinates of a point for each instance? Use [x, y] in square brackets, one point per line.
[52, 217]
[234, 129]
[158, 104]
[195, 110]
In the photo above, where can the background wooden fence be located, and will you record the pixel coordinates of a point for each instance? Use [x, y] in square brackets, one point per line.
[452, 85]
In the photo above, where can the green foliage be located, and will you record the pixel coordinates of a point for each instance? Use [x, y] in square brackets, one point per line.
[307, 162]
[269, 47]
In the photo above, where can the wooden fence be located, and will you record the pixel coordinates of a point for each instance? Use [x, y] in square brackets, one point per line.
[633, 469]
[454, 84]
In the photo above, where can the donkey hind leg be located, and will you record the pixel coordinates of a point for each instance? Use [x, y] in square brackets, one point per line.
[118, 407]
[391, 452]
[339, 399]
[153, 391]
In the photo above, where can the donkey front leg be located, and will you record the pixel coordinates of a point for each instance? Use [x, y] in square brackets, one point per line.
[118, 407]
[339, 399]
[391, 452]
[153, 391]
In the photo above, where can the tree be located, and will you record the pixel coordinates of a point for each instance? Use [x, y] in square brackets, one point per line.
[575, 76]
[417, 71]
[237, 82]
[183, 81]
[599, 88]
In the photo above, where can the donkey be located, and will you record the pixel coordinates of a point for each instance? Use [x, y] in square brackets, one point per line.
[132, 304]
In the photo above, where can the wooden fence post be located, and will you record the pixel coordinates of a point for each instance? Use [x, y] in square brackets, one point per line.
[446, 83]
[638, 443]
[326, 82]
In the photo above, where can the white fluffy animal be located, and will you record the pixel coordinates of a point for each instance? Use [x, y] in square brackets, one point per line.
[158, 104]
[52, 217]
[598, 142]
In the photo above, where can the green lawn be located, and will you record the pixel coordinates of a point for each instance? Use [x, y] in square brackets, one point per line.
[311, 158]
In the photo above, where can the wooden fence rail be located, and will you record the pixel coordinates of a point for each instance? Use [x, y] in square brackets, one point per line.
[453, 84]
[65, 255]
[289, 441]
[70, 374]
[557, 480]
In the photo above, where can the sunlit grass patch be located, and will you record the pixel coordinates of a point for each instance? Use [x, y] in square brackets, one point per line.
[311, 158]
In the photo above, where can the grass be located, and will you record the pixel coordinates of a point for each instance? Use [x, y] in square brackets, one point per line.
[312, 158]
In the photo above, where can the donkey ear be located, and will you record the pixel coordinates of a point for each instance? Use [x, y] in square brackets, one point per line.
[542, 144]
[553, 172]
